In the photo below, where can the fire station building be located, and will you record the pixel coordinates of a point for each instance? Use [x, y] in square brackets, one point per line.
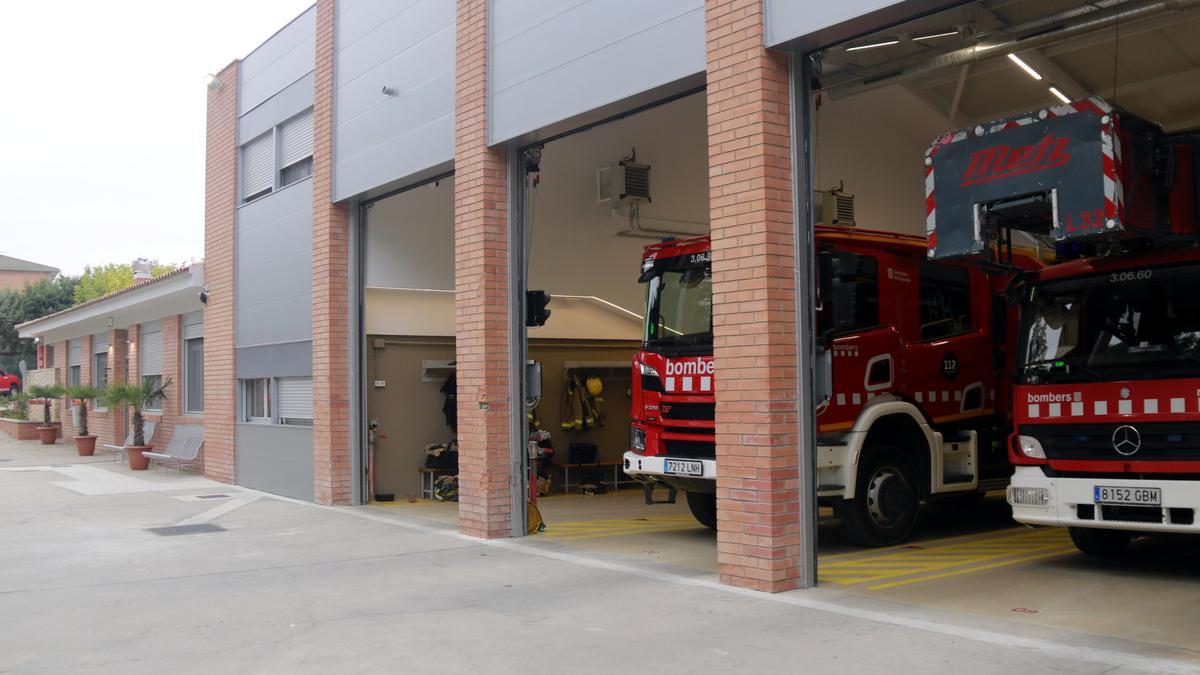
[386, 179]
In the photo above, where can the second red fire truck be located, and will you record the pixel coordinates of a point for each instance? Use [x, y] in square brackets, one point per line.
[916, 349]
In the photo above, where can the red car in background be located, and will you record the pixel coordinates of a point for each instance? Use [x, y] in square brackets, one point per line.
[9, 384]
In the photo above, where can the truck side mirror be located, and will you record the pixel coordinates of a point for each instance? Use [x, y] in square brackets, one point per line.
[823, 375]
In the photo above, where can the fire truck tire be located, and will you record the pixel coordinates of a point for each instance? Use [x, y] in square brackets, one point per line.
[1103, 543]
[704, 508]
[884, 510]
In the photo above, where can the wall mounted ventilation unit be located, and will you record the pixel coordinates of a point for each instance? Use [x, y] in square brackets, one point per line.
[833, 207]
[623, 181]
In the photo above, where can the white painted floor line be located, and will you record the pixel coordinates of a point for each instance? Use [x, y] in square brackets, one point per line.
[797, 599]
[219, 510]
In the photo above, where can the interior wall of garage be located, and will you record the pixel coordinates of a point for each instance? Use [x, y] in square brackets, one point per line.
[410, 410]
[575, 248]
[875, 143]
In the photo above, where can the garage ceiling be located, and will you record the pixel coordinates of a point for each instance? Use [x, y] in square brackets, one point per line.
[957, 61]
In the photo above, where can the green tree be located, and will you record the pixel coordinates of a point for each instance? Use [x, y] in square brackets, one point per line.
[18, 306]
[104, 279]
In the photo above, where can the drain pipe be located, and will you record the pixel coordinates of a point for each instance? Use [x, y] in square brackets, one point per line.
[1020, 37]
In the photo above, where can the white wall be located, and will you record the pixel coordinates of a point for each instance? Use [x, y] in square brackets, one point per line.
[876, 143]
[410, 239]
[575, 249]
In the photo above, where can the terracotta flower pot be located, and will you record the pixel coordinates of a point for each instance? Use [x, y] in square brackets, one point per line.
[48, 434]
[85, 445]
[138, 461]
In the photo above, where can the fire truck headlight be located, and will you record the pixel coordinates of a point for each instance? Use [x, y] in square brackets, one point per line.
[1028, 496]
[637, 439]
[647, 370]
[1030, 447]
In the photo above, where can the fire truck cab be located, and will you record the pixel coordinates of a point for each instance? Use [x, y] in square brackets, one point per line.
[914, 348]
[1106, 437]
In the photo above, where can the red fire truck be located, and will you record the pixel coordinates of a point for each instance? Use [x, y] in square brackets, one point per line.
[914, 347]
[1107, 394]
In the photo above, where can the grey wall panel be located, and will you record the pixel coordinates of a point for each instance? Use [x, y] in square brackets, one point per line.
[295, 98]
[407, 46]
[820, 24]
[284, 58]
[290, 359]
[274, 268]
[551, 61]
[276, 459]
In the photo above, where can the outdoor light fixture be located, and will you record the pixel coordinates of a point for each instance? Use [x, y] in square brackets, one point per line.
[1059, 95]
[1025, 66]
[212, 82]
[872, 45]
[918, 38]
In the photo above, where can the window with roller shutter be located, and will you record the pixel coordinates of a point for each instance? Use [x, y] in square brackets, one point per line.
[151, 354]
[295, 400]
[258, 167]
[295, 148]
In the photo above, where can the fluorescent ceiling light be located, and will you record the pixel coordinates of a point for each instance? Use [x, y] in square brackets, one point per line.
[873, 45]
[1025, 66]
[1059, 95]
[931, 36]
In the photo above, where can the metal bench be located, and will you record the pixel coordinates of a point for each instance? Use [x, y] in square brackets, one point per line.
[183, 448]
[118, 451]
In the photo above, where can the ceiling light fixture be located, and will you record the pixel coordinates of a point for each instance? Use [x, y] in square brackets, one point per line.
[873, 45]
[212, 82]
[931, 36]
[1025, 66]
[1059, 95]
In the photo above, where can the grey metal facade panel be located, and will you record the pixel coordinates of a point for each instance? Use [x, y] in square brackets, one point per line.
[274, 267]
[290, 359]
[820, 24]
[549, 63]
[293, 99]
[276, 459]
[408, 47]
[284, 58]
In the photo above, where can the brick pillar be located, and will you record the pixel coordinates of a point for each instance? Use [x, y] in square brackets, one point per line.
[109, 425]
[172, 405]
[85, 378]
[754, 340]
[330, 289]
[62, 366]
[481, 284]
[220, 221]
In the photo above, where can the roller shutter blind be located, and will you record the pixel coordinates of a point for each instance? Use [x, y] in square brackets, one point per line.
[258, 165]
[152, 354]
[193, 331]
[74, 353]
[295, 139]
[295, 398]
[99, 343]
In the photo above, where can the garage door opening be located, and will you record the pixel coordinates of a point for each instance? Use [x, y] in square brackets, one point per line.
[933, 341]
[593, 201]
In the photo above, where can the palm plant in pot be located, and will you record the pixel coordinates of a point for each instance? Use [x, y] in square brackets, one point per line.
[137, 397]
[85, 443]
[47, 393]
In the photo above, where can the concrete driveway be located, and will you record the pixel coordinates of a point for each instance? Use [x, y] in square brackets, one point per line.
[239, 581]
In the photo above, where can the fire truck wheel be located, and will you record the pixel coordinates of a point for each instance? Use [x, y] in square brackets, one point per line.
[1100, 542]
[704, 508]
[884, 509]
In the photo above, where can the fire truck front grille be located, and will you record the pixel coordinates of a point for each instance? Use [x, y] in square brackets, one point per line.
[1159, 441]
[688, 411]
[693, 449]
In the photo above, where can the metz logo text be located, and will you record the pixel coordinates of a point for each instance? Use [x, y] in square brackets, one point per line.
[1002, 161]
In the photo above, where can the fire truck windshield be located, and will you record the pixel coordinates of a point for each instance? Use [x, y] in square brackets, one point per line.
[679, 308]
[1134, 324]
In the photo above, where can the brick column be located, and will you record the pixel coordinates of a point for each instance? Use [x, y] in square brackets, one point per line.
[172, 405]
[481, 285]
[61, 367]
[220, 221]
[109, 425]
[330, 289]
[85, 378]
[754, 337]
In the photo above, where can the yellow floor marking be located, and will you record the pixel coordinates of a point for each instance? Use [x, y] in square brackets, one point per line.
[1063, 551]
[978, 537]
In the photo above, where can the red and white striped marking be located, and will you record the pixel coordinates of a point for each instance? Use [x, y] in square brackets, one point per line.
[699, 384]
[1176, 405]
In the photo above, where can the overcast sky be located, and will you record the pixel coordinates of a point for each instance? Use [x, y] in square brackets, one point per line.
[102, 123]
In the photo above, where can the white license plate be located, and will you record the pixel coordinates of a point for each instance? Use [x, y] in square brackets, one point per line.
[1127, 495]
[683, 467]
